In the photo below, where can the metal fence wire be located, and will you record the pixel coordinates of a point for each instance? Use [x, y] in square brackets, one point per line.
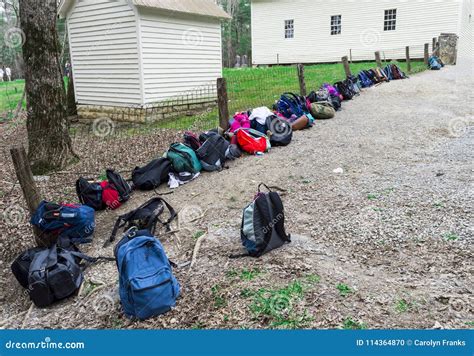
[126, 138]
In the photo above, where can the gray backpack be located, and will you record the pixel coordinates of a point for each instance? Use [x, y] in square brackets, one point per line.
[56, 274]
[212, 154]
[263, 225]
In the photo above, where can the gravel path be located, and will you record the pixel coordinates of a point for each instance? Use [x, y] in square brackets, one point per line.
[385, 244]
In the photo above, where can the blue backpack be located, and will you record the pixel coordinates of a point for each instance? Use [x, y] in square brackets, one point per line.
[75, 223]
[365, 80]
[291, 104]
[434, 63]
[147, 285]
[388, 72]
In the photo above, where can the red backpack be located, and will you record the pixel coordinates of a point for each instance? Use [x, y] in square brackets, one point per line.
[116, 190]
[110, 196]
[252, 141]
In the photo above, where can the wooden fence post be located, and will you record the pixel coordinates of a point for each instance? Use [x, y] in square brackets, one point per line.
[223, 103]
[434, 43]
[300, 69]
[28, 186]
[378, 60]
[408, 59]
[427, 53]
[347, 68]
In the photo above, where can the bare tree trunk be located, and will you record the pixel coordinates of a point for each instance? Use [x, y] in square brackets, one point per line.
[71, 96]
[50, 146]
[230, 47]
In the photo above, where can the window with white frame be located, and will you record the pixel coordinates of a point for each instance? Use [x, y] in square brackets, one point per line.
[336, 25]
[289, 28]
[390, 23]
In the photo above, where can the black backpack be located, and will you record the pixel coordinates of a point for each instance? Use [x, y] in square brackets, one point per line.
[152, 175]
[344, 90]
[146, 217]
[90, 194]
[117, 182]
[335, 101]
[51, 274]
[212, 154]
[263, 224]
[208, 134]
[321, 95]
[279, 131]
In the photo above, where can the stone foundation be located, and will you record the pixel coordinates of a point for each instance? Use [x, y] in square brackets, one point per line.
[146, 114]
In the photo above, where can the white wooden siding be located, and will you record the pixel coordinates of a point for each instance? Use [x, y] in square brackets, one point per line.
[180, 53]
[105, 53]
[466, 38]
[362, 28]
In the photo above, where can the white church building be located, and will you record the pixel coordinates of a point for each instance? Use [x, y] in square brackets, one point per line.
[318, 31]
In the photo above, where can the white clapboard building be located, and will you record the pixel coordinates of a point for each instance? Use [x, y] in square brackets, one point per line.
[136, 53]
[315, 31]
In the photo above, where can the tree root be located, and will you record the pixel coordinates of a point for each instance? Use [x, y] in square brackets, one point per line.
[197, 247]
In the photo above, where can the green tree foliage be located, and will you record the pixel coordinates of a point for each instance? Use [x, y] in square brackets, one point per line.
[236, 33]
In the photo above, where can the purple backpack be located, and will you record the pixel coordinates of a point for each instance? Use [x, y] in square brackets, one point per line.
[331, 89]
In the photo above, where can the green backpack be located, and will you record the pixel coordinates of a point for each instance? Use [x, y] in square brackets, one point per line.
[183, 158]
[322, 111]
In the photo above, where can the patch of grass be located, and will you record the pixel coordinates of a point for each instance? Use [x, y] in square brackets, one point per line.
[451, 237]
[350, 324]
[219, 300]
[403, 306]
[313, 279]
[438, 205]
[198, 325]
[117, 323]
[198, 234]
[278, 306]
[388, 191]
[103, 176]
[250, 274]
[232, 273]
[247, 293]
[89, 287]
[372, 196]
[470, 323]
[10, 95]
[344, 289]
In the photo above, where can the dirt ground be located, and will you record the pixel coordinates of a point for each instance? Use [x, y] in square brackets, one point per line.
[383, 242]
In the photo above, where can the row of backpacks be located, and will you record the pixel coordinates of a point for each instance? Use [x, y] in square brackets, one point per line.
[147, 286]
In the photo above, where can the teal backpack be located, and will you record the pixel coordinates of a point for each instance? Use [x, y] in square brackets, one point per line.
[183, 158]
